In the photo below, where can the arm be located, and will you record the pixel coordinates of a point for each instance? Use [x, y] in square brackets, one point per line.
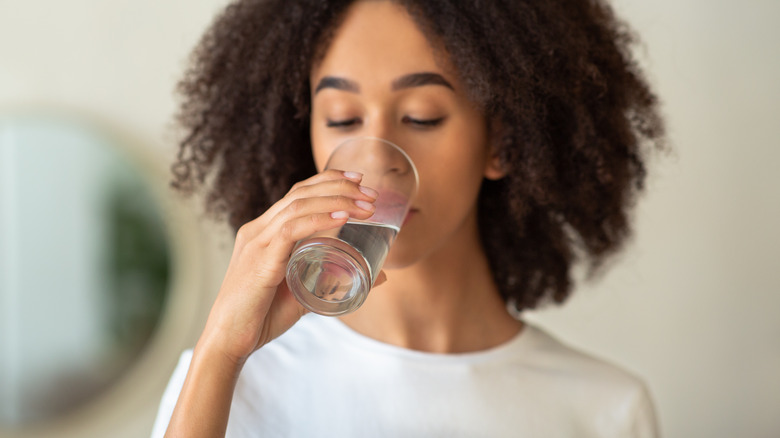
[204, 401]
[254, 304]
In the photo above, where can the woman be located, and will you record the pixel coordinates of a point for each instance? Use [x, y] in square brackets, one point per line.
[526, 122]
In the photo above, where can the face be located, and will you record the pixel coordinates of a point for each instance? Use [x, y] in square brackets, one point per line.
[381, 77]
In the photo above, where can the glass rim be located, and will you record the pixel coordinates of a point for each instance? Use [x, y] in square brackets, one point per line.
[388, 142]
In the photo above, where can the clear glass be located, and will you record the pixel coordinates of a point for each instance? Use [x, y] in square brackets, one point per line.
[331, 272]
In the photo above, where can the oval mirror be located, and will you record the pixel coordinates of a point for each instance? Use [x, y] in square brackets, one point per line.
[85, 267]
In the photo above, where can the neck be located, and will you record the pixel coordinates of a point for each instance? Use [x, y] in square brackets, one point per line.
[445, 303]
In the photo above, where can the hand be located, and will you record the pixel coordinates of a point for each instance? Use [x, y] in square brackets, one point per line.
[254, 304]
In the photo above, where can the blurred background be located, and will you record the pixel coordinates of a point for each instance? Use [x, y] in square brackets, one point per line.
[106, 276]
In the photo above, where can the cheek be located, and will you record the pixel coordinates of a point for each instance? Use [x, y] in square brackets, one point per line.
[465, 147]
[449, 186]
[321, 148]
[320, 157]
[460, 165]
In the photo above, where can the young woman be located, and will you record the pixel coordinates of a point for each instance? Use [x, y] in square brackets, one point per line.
[527, 122]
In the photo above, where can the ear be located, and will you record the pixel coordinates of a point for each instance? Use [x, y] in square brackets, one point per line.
[494, 169]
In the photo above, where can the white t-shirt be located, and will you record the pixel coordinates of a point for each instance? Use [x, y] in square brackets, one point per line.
[322, 379]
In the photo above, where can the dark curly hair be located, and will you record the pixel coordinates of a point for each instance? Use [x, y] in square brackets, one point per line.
[576, 120]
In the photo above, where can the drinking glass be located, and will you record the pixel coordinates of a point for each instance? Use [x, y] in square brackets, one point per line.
[331, 272]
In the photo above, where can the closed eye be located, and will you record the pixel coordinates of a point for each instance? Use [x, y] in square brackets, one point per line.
[341, 123]
[423, 123]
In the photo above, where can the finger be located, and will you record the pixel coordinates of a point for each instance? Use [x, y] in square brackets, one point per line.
[300, 219]
[270, 268]
[322, 177]
[341, 186]
[355, 208]
[329, 182]
[327, 175]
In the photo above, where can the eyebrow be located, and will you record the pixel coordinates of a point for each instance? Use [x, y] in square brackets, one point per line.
[406, 81]
[420, 79]
[337, 83]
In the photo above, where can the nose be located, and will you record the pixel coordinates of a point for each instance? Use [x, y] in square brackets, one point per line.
[394, 159]
[398, 170]
[383, 164]
[380, 156]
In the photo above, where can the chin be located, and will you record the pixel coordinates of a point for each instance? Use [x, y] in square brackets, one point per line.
[402, 256]
[399, 263]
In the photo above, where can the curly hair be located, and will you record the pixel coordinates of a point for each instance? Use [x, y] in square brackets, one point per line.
[576, 120]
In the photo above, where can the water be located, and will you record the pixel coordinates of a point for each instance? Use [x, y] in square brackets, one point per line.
[336, 273]
[372, 240]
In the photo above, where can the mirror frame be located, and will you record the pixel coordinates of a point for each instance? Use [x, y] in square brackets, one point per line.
[130, 404]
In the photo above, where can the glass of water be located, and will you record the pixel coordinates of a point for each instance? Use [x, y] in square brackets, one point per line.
[331, 272]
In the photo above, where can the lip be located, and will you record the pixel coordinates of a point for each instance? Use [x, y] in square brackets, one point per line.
[390, 199]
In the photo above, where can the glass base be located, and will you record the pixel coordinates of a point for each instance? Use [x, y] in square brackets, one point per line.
[328, 276]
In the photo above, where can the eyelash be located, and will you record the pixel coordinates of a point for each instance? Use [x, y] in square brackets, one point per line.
[341, 123]
[406, 119]
[423, 123]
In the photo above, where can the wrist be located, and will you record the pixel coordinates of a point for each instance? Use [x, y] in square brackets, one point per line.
[210, 350]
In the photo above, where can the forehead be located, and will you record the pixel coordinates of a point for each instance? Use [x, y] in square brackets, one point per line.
[378, 41]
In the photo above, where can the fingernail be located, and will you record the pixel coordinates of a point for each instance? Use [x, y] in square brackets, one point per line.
[339, 215]
[369, 192]
[353, 175]
[365, 205]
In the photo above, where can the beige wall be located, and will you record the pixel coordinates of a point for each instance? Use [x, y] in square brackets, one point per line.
[693, 305]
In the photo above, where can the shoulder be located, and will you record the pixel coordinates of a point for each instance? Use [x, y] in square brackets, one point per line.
[615, 398]
[556, 356]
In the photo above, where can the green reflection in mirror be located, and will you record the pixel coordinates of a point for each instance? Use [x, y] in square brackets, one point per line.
[84, 266]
